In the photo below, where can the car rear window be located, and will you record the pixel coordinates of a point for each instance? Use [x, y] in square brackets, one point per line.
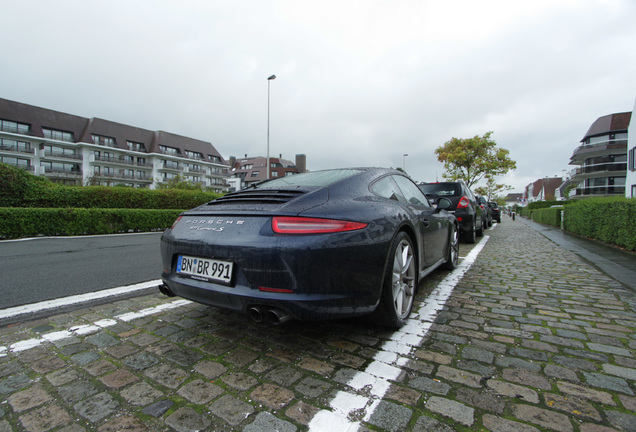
[441, 189]
[310, 179]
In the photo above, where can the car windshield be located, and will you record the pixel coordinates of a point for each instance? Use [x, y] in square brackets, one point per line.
[441, 189]
[310, 179]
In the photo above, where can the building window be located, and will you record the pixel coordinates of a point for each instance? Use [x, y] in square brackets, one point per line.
[13, 145]
[193, 155]
[15, 127]
[60, 167]
[17, 162]
[58, 135]
[104, 141]
[274, 173]
[632, 159]
[633, 191]
[247, 166]
[255, 173]
[135, 146]
[170, 164]
[169, 150]
[50, 150]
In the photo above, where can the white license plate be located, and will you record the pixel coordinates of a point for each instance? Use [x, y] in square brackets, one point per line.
[205, 269]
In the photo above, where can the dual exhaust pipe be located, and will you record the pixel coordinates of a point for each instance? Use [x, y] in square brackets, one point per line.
[268, 315]
[259, 314]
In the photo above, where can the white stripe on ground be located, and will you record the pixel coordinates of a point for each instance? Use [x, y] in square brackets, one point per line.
[386, 365]
[72, 300]
[88, 328]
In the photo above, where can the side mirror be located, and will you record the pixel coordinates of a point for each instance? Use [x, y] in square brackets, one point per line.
[444, 204]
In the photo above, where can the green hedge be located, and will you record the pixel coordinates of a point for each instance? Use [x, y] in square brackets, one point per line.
[115, 198]
[31, 222]
[19, 188]
[610, 220]
[548, 216]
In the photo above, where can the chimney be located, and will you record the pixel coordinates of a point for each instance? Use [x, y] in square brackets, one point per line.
[301, 163]
[232, 161]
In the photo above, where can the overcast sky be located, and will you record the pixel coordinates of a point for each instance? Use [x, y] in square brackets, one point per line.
[359, 83]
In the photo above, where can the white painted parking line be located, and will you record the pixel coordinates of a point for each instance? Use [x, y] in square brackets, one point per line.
[76, 299]
[87, 329]
[385, 367]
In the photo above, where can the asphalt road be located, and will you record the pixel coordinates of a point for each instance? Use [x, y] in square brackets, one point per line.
[39, 269]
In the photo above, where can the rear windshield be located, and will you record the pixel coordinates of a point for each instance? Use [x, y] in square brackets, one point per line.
[441, 189]
[310, 179]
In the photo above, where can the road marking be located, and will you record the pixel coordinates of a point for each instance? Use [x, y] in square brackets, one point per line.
[76, 237]
[71, 300]
[375, 379]
[87, 329]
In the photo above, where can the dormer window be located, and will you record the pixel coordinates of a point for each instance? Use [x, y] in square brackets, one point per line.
[104, 140]
[169, 150]
[58, 135]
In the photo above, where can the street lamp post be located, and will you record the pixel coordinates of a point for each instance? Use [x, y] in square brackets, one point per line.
[404, 161]
[268, 80]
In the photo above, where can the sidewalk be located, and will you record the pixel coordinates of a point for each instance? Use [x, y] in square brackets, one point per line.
[532, 339]
[618, 264]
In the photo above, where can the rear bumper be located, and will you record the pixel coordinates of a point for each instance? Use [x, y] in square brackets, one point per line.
[322, 276]
[465, 221]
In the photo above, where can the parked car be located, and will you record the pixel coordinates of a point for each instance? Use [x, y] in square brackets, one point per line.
[318, 245]
[464, 204]
[496, 212]
[487, 212]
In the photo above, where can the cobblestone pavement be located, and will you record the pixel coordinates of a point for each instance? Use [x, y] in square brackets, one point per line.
[531, 339]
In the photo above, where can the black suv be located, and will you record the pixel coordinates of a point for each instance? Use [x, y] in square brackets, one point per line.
[496, 211]
[465, 206]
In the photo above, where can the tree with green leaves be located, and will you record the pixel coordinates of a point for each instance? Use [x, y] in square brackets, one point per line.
[472, 159]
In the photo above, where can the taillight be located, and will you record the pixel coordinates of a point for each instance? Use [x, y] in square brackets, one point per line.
[302, 225]
[175, 222]
[463, 203]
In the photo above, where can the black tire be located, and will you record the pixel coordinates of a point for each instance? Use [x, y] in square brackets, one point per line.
[480, 231]
[400, 283]
[452, 258]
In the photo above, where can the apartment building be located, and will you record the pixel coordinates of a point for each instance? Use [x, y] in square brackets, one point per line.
[630, 180]
[249, 170]
[602, 157]
[76, 150]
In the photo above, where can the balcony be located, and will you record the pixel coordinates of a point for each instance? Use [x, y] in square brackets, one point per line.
[14, 147]
[612, 169]
[602, 148]
[61, 155]
[61, 172]
[600, 191]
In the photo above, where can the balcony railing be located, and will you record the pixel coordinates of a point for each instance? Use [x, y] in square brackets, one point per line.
[600, 190]
[607, 167]
[57, 172]
[605, 145]
[62, 155]
[16, 148]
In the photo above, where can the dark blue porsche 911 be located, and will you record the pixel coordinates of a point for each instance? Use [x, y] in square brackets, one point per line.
[319, 245]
